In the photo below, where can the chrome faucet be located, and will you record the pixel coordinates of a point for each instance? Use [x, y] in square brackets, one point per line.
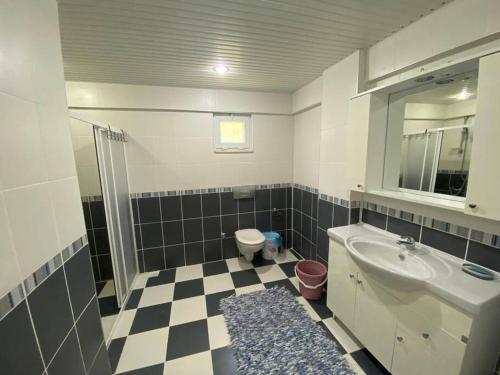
[408, 241]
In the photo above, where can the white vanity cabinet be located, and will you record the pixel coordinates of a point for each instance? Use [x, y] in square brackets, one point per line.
[408, 332]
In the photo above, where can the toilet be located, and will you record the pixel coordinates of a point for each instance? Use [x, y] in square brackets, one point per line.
[249, 241]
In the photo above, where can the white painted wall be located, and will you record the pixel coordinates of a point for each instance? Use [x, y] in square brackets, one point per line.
[452, 27]
[172, 150]
[40, 209]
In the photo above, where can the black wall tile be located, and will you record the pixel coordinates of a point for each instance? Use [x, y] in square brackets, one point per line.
[151, 235]
[278, 220]
[105, 267]
[307, 202]
[86, 215]
[191, 206]
[138, 240]
[51, 312]
[246, 205]
[19, 352]
[297, 199]
[174, 256]
[403, 228]
[173, 233]
[194, 253]
[306, 227]
[98, 214]
[263, 200]
[314, 212]
[89, 332]
[296, 241]
[263, 221]
[171, 208]
[484, 255]
[101, 241]
[193, 230]
[289, 197]
[149, 210]
[229, 205]
[354, 212]
[288, 239]
[374, 218]
[278, 198]
[229, 225]
[135, 210]
[95, 269]
[140, 259]
[101, 365]
[247, 220]
[314, 228]
[305, 251]
[340, 216]
[90, 237]
[449, 243]
[323, 244]
[211, 228]
[80, 281]
[297, 221]
[154, 259]
[213, 250]
[211, 204]
[325, 214]
[229, 248]
[68, 359]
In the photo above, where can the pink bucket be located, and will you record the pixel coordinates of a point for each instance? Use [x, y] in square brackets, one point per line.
[312, 277]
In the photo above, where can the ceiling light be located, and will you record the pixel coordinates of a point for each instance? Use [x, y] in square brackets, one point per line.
[221, 69]
[464, 94]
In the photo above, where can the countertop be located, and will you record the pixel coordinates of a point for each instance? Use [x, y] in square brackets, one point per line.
[469, 293]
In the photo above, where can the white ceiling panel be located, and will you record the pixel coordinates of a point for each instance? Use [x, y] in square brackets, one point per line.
[267, 45]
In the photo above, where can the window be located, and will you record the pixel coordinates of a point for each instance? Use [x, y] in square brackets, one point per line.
[233, 133]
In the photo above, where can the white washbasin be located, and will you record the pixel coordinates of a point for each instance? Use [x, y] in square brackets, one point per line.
[384, 259]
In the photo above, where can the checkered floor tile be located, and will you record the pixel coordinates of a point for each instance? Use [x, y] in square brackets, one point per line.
[172, 324]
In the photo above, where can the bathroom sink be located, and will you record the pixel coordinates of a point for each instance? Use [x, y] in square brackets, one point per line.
[389, 262]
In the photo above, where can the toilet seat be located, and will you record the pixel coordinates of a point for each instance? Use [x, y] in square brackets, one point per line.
[249, 236]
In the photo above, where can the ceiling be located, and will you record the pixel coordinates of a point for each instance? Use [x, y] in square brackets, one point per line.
[268, 45]
[463, 87]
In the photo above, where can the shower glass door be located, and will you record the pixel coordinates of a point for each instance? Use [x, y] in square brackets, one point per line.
[113, 173]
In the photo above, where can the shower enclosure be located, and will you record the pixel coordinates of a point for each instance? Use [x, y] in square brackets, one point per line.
[102, 176]
[436, 160]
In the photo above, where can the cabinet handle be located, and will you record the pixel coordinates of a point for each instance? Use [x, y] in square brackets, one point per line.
[360, 282]
[472, 205]
[425, 335]
[359, 186]
[351, 276]
[400, 339]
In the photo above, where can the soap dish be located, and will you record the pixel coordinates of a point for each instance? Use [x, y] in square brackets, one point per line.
[477, 271]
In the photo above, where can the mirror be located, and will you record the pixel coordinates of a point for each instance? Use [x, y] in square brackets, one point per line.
[430, 134]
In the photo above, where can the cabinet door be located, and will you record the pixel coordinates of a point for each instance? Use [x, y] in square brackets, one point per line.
[341, 294]
[438, 353]
[374, 321]
[359, 121]
[484, 174]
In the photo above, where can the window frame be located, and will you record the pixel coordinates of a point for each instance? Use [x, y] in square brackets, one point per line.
[220, 147]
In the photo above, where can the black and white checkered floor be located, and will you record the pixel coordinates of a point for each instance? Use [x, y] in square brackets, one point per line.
[172, 325]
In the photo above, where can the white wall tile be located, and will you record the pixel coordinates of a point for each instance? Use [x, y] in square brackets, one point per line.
[56, 143]
[10, 275]
[33, 226]
[65, 197]
[21, 153]
[306, 147]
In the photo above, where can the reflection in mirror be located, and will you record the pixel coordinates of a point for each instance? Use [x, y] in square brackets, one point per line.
[84, 148]
[429, 136]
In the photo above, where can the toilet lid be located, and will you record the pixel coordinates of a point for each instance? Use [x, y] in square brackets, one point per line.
[249, 236]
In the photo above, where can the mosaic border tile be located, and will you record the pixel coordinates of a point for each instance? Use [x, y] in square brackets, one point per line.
[225, 189]
[92, 198]
[485, 238]
[375, 207]
[405, 216]
[446, 227]
[9, 301]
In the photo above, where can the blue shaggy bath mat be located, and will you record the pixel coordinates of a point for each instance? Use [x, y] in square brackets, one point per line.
[271, 333]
